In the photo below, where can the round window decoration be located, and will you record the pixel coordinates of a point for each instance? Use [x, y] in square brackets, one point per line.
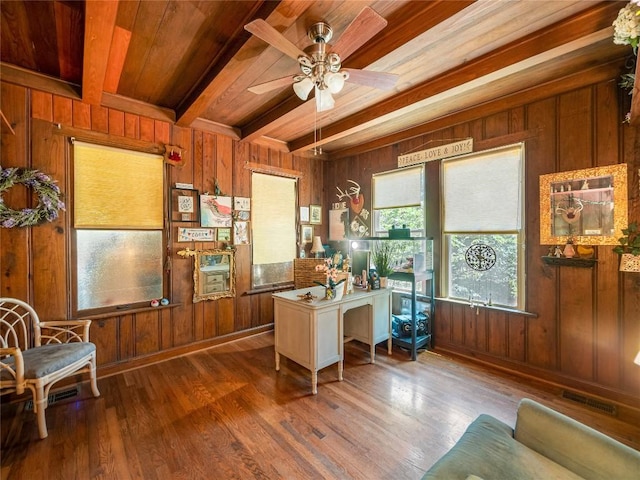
[48, 193]
[480, 257]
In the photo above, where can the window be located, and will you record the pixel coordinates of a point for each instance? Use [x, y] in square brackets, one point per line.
[483, 204]
[118, 218]
[398, 200]
[273, 204]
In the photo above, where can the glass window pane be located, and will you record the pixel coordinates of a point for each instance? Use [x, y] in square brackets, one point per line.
[499, 284]
[412, 217]
[118, 267]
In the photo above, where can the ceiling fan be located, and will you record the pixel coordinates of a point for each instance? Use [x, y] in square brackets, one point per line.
[320, 63]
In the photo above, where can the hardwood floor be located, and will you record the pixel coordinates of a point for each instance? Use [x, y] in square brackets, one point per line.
[226, 413]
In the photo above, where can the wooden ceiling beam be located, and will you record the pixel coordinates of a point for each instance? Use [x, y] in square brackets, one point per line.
[589, 21]
[232, 62]
[408, 22]
[539, 92]
[100, 22]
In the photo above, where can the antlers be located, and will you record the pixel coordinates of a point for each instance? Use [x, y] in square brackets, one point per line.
[351, 192]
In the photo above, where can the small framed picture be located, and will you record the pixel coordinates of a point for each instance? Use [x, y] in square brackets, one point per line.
[306, 234]
[184, 205]
[304, 214]
[186, 234]
[315, 214]
[242, 203]
[224, 234]
[241, 232]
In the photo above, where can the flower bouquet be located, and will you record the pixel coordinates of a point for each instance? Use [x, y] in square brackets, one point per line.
[626, 27]
[332, 282]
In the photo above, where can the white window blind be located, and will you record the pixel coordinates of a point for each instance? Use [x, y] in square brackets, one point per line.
[483, 193]
[274, 218]
[398, 188]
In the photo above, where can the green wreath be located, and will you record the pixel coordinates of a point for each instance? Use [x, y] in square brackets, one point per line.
[45, 188]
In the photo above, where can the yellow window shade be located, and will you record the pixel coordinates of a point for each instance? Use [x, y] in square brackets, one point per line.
[115, 188]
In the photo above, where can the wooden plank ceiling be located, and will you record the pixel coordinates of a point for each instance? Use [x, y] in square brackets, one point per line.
[192, 61]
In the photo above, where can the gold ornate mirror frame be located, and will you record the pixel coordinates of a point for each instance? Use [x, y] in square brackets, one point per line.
[589, 206]
[213, 273]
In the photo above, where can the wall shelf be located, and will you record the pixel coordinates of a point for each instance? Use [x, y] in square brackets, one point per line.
[569, 262]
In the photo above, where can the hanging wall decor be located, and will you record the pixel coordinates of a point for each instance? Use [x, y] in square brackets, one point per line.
[359, 221]
[48, 192]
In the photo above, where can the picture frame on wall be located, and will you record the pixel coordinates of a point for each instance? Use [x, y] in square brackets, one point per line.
[184, 205]
[304, 214]
[241, 233]
[306, 234]
[215, 211]
[224, 234]
[315, 214]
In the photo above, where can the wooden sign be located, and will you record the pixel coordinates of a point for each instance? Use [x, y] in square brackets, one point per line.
[436, 153]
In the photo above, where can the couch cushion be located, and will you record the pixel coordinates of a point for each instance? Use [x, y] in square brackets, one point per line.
[488, 450]
[46, 359]
[573, 445]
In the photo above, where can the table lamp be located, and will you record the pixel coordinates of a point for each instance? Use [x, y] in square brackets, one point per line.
[316, 247]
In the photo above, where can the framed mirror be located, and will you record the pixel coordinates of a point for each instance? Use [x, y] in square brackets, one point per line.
[588, 206]
[213, 273]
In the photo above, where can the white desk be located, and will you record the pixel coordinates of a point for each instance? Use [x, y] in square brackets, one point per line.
[312, 333]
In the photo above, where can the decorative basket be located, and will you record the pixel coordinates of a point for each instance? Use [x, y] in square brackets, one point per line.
[304, 272]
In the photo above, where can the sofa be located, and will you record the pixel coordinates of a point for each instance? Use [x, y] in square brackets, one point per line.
[545, 445]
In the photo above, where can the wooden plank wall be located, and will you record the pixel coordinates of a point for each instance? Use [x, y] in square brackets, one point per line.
[34, 260]
[586, 331]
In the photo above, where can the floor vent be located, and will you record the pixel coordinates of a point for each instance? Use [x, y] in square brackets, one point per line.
[55, 397]
[590, 402]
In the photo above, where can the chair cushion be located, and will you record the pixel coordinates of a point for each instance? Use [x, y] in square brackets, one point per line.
[46, 359]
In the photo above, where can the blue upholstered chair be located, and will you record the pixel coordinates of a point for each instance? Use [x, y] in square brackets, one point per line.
[36, 355]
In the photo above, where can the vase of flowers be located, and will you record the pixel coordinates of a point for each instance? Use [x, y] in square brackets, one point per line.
[626, 27]
[334, 288]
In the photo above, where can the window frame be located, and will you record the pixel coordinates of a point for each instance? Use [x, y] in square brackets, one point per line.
[520, 233]
[73, 240]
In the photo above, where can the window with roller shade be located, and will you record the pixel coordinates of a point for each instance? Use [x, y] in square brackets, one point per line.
[399, 200]
[483, 197]
[118, 220]
[273, 205]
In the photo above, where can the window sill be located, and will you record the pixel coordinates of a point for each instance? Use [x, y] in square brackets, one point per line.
[490, 307]
[270, 289]
[127, 311]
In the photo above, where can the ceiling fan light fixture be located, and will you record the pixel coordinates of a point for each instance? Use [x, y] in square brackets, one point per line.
[324, 100]
[335, 81]
[303, 88]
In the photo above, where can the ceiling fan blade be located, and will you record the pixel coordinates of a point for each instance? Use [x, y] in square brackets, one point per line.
[266, 32]
[367, 24]
[381, 80]
[271, 85]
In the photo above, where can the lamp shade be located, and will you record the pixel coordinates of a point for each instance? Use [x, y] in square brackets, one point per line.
[316, 246]
[303, 88]
[637, 359]
[324, 100]
[334, 81]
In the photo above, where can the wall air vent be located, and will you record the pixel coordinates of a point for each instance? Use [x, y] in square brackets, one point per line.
[599, 405]
[54, 397]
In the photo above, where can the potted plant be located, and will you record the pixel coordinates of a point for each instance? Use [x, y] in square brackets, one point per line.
[629, 249]
[382, 259]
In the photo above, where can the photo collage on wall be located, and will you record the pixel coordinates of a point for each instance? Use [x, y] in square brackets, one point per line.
[222, 218]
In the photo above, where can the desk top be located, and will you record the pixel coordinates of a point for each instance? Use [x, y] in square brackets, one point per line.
[360, 296]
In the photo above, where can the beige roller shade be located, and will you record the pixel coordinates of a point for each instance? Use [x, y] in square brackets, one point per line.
[117, 189]
[274, 218]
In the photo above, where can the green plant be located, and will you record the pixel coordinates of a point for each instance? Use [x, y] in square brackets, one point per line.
[630, 243]
[382, 258]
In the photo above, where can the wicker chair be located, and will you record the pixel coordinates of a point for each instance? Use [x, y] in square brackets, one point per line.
[59, 349]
